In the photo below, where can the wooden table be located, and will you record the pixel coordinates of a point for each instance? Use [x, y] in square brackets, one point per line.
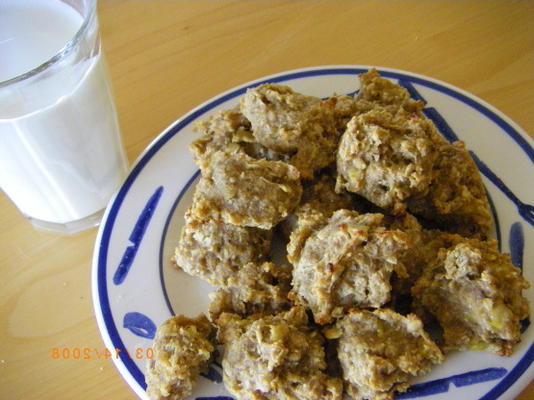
[166, 57]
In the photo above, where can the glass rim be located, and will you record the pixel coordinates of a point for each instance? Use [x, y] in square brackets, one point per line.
[67, 48]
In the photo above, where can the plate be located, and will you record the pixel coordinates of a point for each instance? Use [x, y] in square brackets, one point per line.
[135, 288]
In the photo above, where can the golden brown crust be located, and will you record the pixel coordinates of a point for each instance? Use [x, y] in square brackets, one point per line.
[182, 349]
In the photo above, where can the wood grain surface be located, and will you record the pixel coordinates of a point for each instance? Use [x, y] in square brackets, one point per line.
[166, 57]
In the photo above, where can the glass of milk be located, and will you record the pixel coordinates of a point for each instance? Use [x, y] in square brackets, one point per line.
[61, 156]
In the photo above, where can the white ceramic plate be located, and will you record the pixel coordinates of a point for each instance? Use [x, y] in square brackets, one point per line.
[135, 288]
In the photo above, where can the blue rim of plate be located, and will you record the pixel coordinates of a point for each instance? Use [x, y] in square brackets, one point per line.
[105, 231]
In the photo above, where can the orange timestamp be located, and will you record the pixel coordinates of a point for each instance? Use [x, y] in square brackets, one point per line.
[90, 353]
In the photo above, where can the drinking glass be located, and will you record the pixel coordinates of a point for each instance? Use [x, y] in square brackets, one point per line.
[61, 155]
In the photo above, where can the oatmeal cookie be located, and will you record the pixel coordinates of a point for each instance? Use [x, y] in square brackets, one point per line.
[254, 289]
[378, 91]
[239, 190]
[475, 293]
[183, 348]
[214, 251]
[381, 351]
[290, 122]
[386, 158]
[277, 357]
[347, 261]
[456, 199]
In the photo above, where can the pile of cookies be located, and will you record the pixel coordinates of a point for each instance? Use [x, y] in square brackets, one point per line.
[389, 264]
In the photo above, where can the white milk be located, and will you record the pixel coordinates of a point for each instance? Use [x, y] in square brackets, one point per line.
[60, 153]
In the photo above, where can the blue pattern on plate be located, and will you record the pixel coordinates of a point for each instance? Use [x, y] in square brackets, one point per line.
[354, 93]
[495, 220]
[512, 376]
[516, 242]
[442, 125]
[212, 375]
[425, 389]
[414, 94]
[442, 385]
[525, 210]
[525, 323]
[136, 237]
[164, 235]
[139, 324]
[432, 387]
